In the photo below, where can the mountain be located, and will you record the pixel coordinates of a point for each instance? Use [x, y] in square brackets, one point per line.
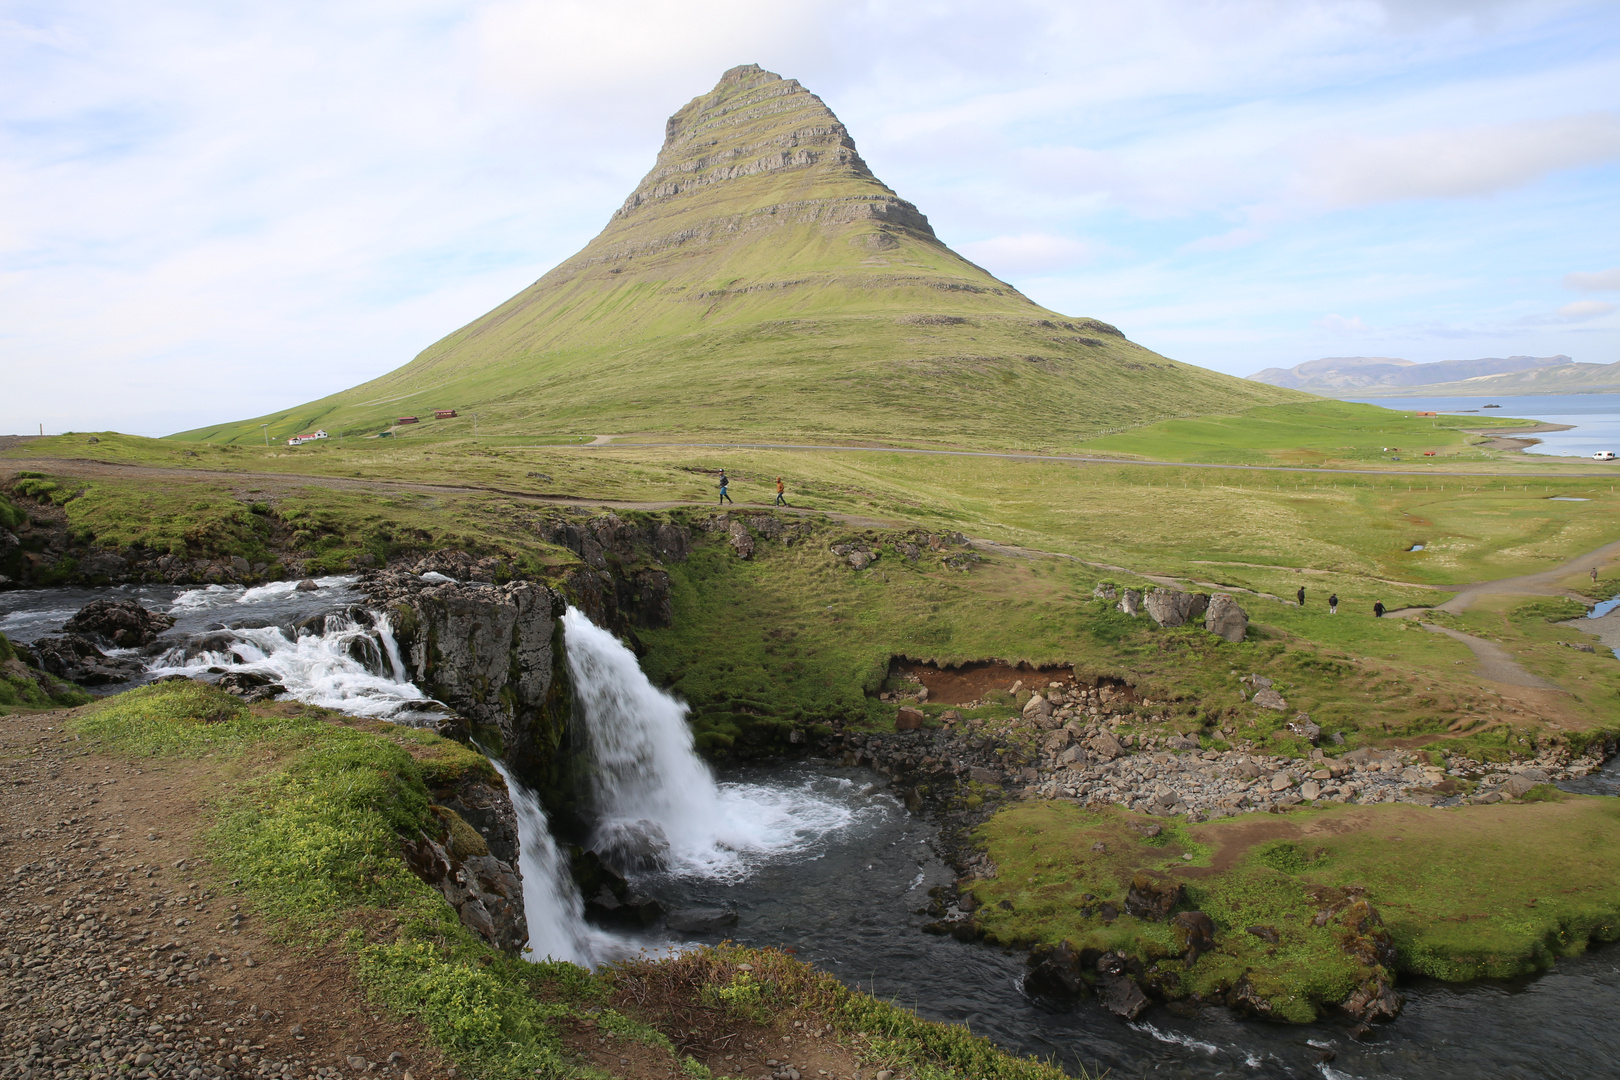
[1383, 376]
[760, 279]
[1567, 378]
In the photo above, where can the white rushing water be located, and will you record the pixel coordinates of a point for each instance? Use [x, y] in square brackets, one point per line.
[551, 902]
[348, 666]
[657, 803]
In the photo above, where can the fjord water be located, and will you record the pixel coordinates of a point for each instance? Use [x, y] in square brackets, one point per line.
[1594, 419]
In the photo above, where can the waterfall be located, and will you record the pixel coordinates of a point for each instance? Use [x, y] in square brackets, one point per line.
[657, 804]
[551, 901]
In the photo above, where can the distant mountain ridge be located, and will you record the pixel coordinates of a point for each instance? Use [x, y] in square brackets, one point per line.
[1364, 376]
[761, 280]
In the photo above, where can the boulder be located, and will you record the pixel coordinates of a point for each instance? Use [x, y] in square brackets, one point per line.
[1105, 591]
[711, 920]
[1518, 785]
[1373, 1000]
[908, 719]
[860, 560]
[1057, 741]
[76, 658]
[1152, 897]
[103, 566]
[1105, 746]
[1301, 725]
[1225, 619]
[1130, 602]
[307, 585]
[740, 539]
[1055, 970]
[1120, 995]
[123, 624]
[250, 686]
[1310, 791]
[1282, 780]
[632, 910]
[1170, 607]
[1195, 934]
[1037, 707]
[1270, 699]
[1182, 742]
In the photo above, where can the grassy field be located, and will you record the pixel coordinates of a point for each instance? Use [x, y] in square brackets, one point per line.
[1471, 892]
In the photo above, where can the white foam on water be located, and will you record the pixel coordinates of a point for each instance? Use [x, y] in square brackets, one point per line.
[647, 772]
[1175, 1038]
[218, 596]
[320, 669]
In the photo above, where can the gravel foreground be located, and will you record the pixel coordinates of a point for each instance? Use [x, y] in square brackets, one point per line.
[121, 954]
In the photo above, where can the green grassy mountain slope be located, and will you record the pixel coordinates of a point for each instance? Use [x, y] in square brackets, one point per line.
[760, 280]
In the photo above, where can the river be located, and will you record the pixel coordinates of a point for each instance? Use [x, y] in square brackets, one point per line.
[826, 861]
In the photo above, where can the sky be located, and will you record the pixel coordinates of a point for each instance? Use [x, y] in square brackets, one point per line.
[212, 210]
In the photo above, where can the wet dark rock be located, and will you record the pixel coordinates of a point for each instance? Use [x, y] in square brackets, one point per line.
[1152, 896]
[1120, 995]
[709, 920]
[1373, 1000]
[633, 910]
[78, 659]
[628, 846]
[1057, 970]
[306, 585]
[250, 686]
[122, 624]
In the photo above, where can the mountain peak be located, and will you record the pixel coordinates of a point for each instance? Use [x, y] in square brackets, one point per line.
[761, 279]
[756, 124]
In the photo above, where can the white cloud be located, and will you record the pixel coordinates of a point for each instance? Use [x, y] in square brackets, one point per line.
[1598, 281]
[1460, 162]
[1581, 310]
[1028, 253]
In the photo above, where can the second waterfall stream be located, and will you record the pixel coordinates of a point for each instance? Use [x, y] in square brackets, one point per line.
[656, 806]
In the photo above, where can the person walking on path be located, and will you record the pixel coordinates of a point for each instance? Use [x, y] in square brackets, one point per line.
[1302, 596]
[781, 498]
[724, 498]
[1333, 604]
[1378, 609]
[1594, 575]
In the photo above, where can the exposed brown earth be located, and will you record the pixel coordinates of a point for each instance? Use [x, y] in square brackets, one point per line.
[124, 952]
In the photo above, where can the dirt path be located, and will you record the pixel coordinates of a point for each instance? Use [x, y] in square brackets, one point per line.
[1544, 583]
[124, 953]
[1495, 663]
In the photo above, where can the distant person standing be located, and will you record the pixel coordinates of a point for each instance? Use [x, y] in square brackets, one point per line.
[781, 493]
[1378, 609]
[1301, 595]
[1333, 604]
[1594, 575]
[724, 483]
